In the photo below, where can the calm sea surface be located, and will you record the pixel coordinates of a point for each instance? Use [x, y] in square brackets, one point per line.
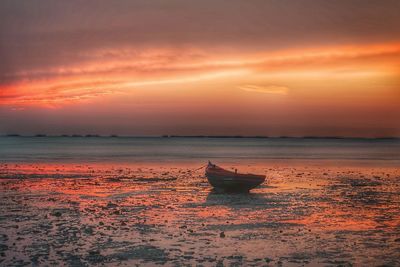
[157, 149]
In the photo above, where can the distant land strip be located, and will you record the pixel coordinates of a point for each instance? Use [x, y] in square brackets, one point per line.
[204, 136]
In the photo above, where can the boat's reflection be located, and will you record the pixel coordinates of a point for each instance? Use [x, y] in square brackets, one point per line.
[236, 200]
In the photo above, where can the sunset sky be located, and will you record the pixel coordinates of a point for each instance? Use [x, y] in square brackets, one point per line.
[153, 67]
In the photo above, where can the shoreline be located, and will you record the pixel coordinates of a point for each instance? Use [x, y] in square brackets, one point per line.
[284, 162]
[389, 138]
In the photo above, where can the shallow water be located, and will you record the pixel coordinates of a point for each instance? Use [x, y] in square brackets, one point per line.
[149, 213]
[195, 150]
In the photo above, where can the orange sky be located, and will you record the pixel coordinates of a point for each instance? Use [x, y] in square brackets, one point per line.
[263, 69]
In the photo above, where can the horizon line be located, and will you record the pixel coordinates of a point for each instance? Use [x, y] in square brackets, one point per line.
[199, 136]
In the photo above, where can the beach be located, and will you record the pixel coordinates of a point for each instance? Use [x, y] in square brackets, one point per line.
[132, 201]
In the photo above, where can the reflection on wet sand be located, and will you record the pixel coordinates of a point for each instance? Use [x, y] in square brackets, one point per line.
[235, 200]
[126, 214]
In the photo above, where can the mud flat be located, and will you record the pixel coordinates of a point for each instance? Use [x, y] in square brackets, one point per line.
[83, 214]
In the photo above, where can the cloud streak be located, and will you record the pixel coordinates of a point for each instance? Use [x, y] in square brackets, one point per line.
[103, 77]
[265, 89]
[32, 39]
[99, 77]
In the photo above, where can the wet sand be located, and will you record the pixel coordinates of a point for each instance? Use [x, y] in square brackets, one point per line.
[122, 215]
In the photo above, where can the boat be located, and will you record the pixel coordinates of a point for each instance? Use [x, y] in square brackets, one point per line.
[225, 180]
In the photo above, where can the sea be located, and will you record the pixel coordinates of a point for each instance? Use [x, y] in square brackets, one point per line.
[197, 149]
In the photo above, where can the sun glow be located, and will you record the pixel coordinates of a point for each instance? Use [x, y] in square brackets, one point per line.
[118, 75]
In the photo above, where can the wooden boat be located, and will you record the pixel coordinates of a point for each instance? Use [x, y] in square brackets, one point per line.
[225, 180]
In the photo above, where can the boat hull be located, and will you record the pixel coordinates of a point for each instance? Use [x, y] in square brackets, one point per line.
[225, 180]
[232, 184]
